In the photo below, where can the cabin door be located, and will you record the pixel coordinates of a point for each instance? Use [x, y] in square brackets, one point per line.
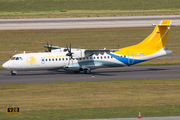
[130, 57]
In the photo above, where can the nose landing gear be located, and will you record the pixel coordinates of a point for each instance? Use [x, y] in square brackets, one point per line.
[86, 70]
[13, 72]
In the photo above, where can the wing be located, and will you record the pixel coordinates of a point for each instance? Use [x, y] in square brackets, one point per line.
[53, 47]
[79, 53]
[96, 52]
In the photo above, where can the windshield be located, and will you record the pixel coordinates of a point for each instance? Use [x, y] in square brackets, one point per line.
[16, 58]
[13, 58]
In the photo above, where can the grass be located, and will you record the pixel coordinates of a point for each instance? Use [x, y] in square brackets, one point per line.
[85, 8]
[110, 38]
[91, 113]
[85, 100]
[1, 68]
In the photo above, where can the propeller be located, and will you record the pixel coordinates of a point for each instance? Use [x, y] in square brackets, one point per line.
[49, 47]
[69, 54]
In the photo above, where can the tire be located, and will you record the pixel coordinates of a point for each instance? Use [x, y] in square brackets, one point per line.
[13, 74]
[87, 71]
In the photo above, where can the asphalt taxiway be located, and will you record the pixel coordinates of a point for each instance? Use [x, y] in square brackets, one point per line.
[120, 73]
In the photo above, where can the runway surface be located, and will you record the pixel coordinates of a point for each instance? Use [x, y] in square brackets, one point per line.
[78, 23]
[121, 73]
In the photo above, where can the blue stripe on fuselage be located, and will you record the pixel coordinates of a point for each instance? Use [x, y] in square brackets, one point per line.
[126, 60]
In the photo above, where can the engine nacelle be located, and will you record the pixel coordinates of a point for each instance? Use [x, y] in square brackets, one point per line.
[79, 54]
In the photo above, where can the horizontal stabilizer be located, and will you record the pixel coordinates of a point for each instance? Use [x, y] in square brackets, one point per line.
[163, 25]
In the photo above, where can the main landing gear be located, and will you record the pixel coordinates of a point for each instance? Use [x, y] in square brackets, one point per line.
[13, 72]
[86, 71]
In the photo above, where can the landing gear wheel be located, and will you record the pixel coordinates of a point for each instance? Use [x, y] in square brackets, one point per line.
[87, 71]
[13, 73]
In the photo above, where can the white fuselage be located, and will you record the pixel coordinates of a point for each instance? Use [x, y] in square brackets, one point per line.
[60, 60]
[48, 60]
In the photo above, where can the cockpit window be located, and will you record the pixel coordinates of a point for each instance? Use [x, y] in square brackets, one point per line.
[16, 58]
[13, 58]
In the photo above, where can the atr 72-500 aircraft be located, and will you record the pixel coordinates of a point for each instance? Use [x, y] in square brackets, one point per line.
[86, 60]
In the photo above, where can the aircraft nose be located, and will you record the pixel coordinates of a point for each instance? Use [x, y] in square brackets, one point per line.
[5, 66]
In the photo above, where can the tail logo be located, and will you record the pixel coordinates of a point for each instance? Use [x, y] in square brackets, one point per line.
[31, 60]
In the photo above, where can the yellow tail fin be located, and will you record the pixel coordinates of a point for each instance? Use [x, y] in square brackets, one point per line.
[157, 39]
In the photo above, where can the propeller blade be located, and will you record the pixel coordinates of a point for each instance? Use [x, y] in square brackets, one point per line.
[69, 53]
[72, 60]
[70, 48]
[67, 48]
[50, 48]
[69, 61]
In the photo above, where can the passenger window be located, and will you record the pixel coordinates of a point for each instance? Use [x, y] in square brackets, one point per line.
[101, 57]
[104, 57]
[17, 58]
[49, 59]
[59, 59]
[108, 57]
[97, 57]
[94, 57]
[46, 59]
[56, 59]
[53, 59]
[66, 58]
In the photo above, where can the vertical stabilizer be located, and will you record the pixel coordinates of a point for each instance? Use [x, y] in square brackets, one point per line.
[157, 39]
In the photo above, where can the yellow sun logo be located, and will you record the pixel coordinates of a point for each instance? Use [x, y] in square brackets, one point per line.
[31, 60]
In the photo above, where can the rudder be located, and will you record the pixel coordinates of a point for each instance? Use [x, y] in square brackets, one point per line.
[157, 39]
